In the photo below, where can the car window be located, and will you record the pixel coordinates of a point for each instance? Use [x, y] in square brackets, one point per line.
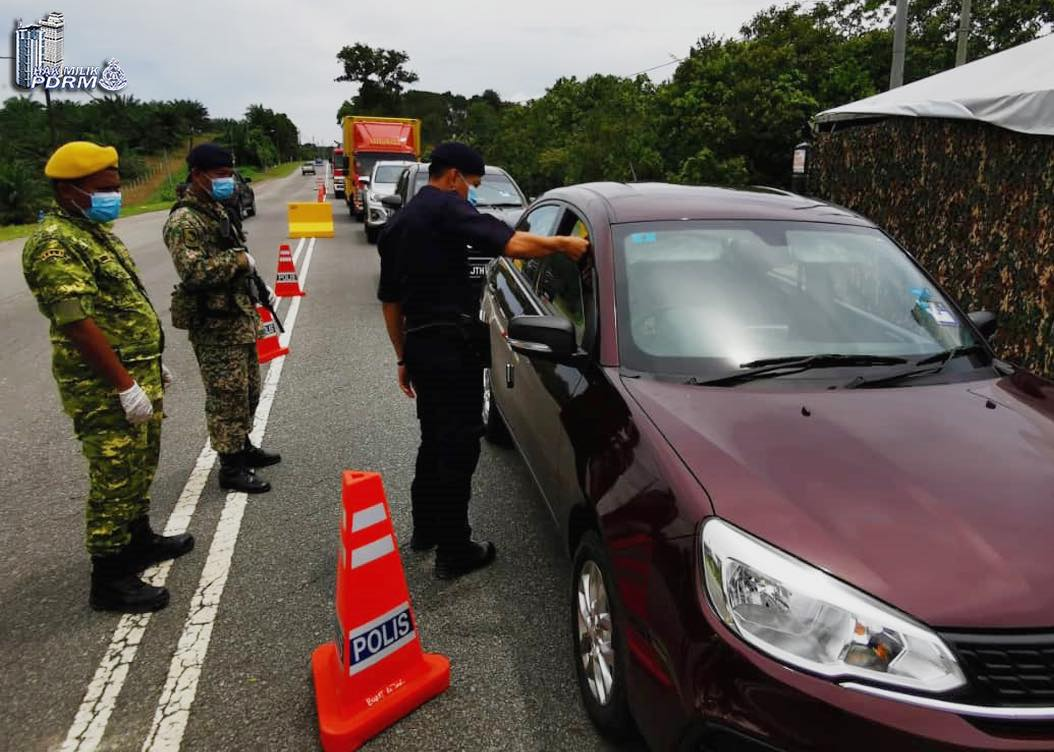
[541, 221]
[560, 288]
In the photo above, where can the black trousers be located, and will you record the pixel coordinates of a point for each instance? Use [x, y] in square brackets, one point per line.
[448, 380]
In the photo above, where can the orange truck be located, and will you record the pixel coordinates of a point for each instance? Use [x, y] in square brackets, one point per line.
[368, 140]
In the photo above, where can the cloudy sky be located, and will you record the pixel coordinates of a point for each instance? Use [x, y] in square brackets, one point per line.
[229, 54]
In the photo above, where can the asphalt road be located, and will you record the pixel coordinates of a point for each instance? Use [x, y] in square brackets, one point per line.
[336, 406]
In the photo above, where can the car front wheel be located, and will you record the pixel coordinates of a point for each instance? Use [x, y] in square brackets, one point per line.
[599, 646]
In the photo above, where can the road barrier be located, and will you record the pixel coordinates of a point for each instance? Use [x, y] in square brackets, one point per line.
[287, 284]
[310, 219]
[376, 672]
[268, 346]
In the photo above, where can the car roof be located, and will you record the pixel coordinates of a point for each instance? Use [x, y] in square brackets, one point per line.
[488, 168]
[656, 202]
[392, 163]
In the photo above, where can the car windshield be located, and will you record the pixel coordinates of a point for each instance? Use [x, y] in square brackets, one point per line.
[364, 162]
[497, 190]
[387, 173]
[705, 298]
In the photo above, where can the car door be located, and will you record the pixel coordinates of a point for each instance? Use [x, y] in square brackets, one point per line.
[564, 288]
[510, 292]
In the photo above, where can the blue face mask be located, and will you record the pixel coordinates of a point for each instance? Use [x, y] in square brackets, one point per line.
[222, 188]
[105, 207]
[473, 193]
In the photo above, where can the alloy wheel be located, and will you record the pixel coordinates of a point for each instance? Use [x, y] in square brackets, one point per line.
[595, 634]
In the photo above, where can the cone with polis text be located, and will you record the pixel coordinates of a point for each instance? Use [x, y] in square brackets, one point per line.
[268, 346]
[375, 672]
[287, 283]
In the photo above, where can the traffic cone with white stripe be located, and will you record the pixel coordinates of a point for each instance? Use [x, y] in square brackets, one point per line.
[268, 346]
[376, 672]
[287, 284]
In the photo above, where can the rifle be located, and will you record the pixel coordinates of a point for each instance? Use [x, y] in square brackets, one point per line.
[258, 292]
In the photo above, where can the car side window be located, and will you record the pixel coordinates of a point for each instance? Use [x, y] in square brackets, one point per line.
[541, 221]
[563, 285]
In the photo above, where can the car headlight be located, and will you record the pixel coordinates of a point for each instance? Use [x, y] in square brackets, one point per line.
[808, 619]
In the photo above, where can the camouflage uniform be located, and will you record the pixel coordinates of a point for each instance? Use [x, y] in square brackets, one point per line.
[204, 248]
[78, 269]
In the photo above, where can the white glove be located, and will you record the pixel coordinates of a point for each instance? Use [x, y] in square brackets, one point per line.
[137, 407]
[272, 299]
[167, 377]
[252, 261]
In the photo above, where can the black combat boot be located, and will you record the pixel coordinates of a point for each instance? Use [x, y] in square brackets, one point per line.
[422, 542]
[115, 586]
[252, 456]
[452, 564]
[148, 548]
[234, 476]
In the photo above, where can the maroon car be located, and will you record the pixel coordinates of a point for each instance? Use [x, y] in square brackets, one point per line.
[808, 508]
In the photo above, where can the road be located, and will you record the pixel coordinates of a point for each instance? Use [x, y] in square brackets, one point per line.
[336, 406]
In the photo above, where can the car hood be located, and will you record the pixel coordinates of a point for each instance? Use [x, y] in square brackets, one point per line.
[510, 215]
[937, 499]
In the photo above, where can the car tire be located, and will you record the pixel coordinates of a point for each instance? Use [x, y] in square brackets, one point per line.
[597, 638]
[494, 429]
[371, 234]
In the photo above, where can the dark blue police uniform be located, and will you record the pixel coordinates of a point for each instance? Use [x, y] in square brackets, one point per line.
[425, 268]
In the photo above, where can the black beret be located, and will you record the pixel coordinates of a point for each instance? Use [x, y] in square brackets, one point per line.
[460, 156]
[209, 157]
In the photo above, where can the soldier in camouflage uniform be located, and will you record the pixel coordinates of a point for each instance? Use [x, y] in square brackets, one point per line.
[214, 303]
[106, 358]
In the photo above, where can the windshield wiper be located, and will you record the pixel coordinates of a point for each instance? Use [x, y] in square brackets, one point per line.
[934, 362]
[772, 367]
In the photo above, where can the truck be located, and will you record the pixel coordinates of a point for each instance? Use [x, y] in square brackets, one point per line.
[367, 140]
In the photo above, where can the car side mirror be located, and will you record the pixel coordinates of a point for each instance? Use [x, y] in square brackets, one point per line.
[543, 337]
[985, 321]
[392, 202]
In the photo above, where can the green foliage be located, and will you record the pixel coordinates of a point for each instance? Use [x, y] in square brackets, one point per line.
[137, 129]
[381, 75]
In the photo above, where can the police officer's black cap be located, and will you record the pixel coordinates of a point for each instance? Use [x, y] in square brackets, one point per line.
[461, 157]
[209, 157]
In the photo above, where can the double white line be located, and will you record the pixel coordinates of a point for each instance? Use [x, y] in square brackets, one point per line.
[173, 708]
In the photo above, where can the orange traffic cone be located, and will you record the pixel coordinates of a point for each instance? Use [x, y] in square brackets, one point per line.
[376, 672]
[268, 346]
[287, 284]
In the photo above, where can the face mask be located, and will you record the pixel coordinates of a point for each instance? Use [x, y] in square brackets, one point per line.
[105, 207]
[473, 194]
[222, 188]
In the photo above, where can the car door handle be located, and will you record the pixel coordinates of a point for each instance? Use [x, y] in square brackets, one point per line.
[510, 382]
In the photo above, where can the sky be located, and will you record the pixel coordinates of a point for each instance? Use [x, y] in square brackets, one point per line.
[229, 54]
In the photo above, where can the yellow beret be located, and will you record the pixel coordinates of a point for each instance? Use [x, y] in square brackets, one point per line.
[78, 159]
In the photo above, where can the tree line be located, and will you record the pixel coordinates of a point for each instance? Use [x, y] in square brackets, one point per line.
[730, 114]
[136, 128]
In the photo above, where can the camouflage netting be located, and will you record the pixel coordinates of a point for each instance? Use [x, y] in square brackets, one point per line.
[973, 202]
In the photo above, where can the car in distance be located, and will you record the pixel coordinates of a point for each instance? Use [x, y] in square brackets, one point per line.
[808, 508]
[307, 168]
[383, 180]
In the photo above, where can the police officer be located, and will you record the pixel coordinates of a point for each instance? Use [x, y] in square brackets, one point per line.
[214, 304]
[106, 344]
[431, 313]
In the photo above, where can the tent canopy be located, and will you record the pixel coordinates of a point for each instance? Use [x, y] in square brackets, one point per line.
[1013, 89]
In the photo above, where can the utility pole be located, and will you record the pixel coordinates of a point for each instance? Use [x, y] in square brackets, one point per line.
[964, 33]
[900, 40]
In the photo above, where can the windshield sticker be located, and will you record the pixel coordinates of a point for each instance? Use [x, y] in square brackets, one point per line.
[642, 237]
[941, 314]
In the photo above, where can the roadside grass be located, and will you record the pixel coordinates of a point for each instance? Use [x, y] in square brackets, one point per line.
[163, 197]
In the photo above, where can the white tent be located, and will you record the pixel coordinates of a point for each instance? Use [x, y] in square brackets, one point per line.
[1013, 89]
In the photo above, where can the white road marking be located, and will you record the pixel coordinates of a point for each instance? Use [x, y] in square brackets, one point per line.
[89, 725]
[181, 686]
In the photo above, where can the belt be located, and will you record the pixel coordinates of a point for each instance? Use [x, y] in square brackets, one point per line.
[439, 322]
